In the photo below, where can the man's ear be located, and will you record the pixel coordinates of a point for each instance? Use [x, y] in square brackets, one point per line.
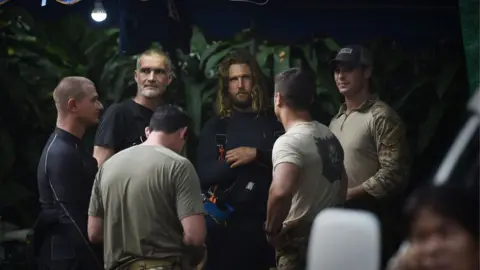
[72, 105]
[278, 99]
[170, 78]
[135, 76]
[147, 132]
[183, 132]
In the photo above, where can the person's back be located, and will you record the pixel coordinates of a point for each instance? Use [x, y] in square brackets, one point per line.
[140, 204]
[308, 170]
[146, 203]
[319, 183]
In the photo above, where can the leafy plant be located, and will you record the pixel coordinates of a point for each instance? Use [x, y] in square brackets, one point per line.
[34, 57]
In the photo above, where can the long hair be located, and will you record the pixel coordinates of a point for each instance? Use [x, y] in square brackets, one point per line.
[260, 98]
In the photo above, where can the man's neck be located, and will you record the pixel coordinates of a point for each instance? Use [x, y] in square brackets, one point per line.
[150, 103]
[71, 127]
[158, 139]
[247, 109]
[289, 119]
[355, 101]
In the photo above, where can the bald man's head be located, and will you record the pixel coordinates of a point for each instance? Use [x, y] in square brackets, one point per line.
[70, 88]
[77, 97]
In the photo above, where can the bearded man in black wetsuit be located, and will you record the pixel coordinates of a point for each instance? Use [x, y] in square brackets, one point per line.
[234, 160]
[123, 124]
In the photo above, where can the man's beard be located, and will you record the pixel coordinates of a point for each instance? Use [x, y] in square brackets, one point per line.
[151, 93]
[242, 104]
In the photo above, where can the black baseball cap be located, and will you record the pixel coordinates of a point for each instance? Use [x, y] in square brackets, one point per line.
[352, 56]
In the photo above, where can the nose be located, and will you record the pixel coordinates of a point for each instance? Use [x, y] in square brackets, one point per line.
[99, 106]
[432, 246]
[340, 74]
[240, 83]
[151, 76]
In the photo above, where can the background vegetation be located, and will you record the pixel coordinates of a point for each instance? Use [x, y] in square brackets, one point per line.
[422, 87]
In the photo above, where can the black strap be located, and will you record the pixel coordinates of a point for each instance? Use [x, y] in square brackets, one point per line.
[221, 137]
[221, 142]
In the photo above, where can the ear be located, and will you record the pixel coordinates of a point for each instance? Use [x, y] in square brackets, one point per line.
[278, 99]
[72, 105]
[147, 132]
[170, 78]
[367, 72]
[183, 132]
[135, 76]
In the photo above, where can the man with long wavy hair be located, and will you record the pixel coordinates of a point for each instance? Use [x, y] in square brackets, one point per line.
[235, 166]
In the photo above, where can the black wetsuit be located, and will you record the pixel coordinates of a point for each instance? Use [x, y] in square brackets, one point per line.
[65, 177]
[123, 125]
[242, 243]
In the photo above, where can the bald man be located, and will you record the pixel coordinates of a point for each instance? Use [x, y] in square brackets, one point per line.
[65, 178]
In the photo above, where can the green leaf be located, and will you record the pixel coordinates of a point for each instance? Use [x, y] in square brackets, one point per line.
[214, 60]
[212, 48]
[263, 55]
[281, 59]
[198, 43]
[311, 56]
[331, 44]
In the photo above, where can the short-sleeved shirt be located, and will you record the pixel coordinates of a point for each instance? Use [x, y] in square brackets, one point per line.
[318, 154]
[123, 125]
[142, 194]
[376, 150]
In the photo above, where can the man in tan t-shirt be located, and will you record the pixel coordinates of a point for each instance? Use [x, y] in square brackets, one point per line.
[146, 202]
[308, 172]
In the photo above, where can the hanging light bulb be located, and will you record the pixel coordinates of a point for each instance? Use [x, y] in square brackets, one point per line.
[99, 14]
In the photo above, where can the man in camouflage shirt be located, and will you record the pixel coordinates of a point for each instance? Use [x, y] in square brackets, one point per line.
[373, 139]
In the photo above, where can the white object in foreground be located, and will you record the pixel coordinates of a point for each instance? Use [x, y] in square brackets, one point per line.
[344, 239]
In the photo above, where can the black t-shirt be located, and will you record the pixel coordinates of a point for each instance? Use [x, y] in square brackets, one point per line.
[123, 125]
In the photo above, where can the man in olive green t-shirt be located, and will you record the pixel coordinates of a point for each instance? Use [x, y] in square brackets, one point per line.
[146, 202]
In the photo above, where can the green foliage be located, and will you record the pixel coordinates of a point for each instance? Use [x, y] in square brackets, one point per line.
[33, 59]
[35, 56]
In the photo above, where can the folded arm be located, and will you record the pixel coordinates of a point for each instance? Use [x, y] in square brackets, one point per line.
[210, 169]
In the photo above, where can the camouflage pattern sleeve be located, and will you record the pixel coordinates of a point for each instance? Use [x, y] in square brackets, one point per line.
[390, 138]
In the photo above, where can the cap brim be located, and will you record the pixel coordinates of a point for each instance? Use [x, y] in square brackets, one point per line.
[333, 63]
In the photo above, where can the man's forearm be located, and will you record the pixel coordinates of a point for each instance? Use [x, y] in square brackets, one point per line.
[355, 192]
[277, 211]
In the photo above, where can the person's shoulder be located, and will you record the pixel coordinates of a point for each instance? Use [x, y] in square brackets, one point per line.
[323, 130]
[285, 140]
[120, 107]
[59, 148]
[381, 109]
[213, 122]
